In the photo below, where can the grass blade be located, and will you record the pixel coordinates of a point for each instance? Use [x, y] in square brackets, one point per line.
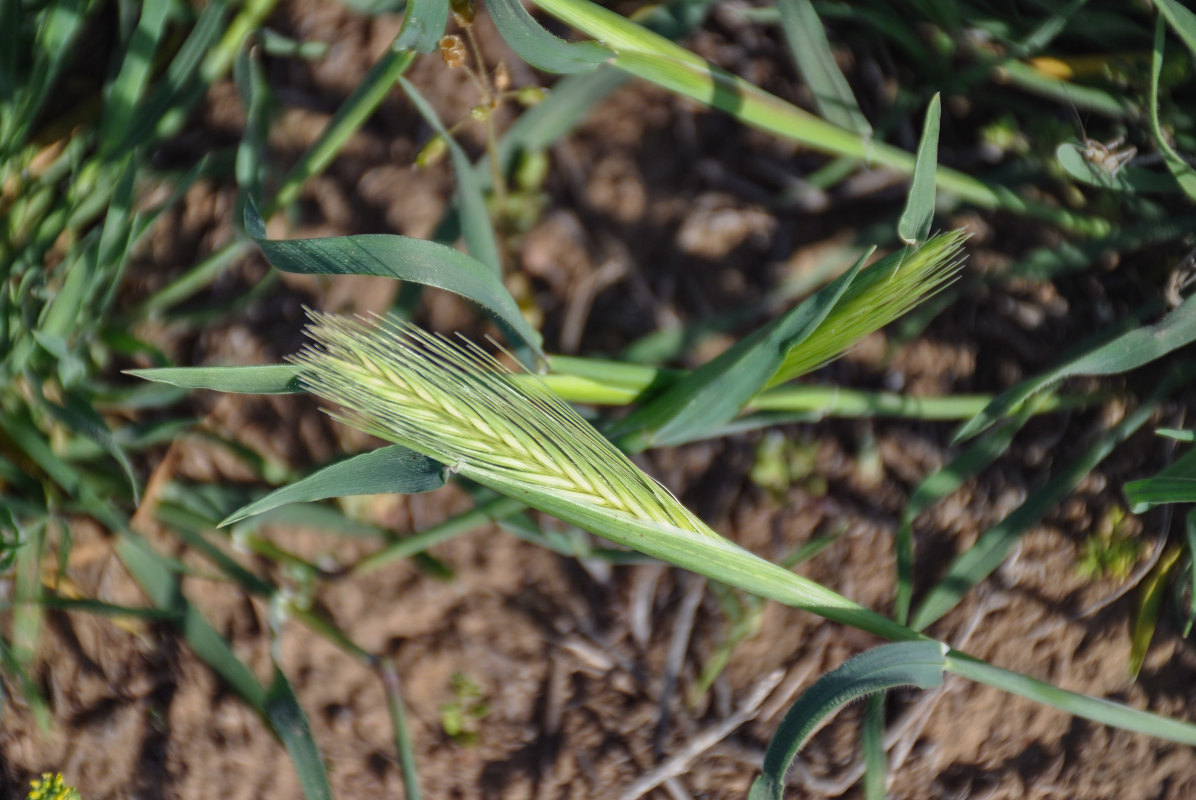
[256, 379]
[1182, 20]
[916, 219]
[1150, 602]
[399, 257]
[286, 717]
[1174, 484]
[995, 544]
[476, 228]
[872, 743]
[1128, 351]
[919, 664]
[808, 44]
[393, 469]
[540, 48]
[1179, 168]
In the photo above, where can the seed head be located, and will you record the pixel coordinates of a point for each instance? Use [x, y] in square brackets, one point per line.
[455, 403]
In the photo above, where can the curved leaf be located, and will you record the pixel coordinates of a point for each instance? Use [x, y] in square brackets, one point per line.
[808, 43]
[540, 48]
[388, 469]
[399, 257]
[918, 664]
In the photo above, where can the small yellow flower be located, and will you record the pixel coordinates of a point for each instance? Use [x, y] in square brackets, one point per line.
[51, 787]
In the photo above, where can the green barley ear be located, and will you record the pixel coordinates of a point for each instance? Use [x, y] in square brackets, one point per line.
[452, 402]
[880, 294]
[455, 403]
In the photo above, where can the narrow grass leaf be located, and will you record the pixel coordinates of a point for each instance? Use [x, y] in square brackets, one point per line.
[538, 47]
[1151, 594]
[1176, 164]
[978, 456]
[994, 545]
[1128, 351]
[128, 88]
[393, 469]
[400, 257]
[918, 216]
[1176, 483]
[423, 25]
[808, 44]
[715, 392]
[257, 379]
[1190, 541]
[476, 227]
[1096, 709]
[288, 720]
[402, 734]
[161, 585]
[872, 743]
[1181, 19]
[917, 664]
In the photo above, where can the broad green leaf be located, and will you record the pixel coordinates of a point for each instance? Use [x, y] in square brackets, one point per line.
[715, 392]
[286, 717]
[1174, 484]
[994, 545]
[808, 44]
[391, 469]
[916, 219]
[540, 48]
[399, 257]
[423, 25]
[476, 228]
[1128, 351]
[260, 379]
[1180, 169]
[917, 664]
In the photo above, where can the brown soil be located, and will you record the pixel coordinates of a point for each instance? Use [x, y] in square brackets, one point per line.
[659, 212]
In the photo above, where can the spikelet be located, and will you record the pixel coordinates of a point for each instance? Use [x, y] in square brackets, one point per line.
[455, 403]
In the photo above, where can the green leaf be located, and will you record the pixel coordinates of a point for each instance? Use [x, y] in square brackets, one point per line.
[808, 44]
[715, 392]
[476, 228]
[1174, 484]
[287, 719]
[1128, 351]
[1180, 169]
[540, 48]
[1181, 20]
[423, 25]
[995, 544]
[916, 219]
[399, 257]
[391, 469]
[128, 89]
[1150, 602]
[257, 379]
[872, 743]
[938, 485]
[917, 664]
